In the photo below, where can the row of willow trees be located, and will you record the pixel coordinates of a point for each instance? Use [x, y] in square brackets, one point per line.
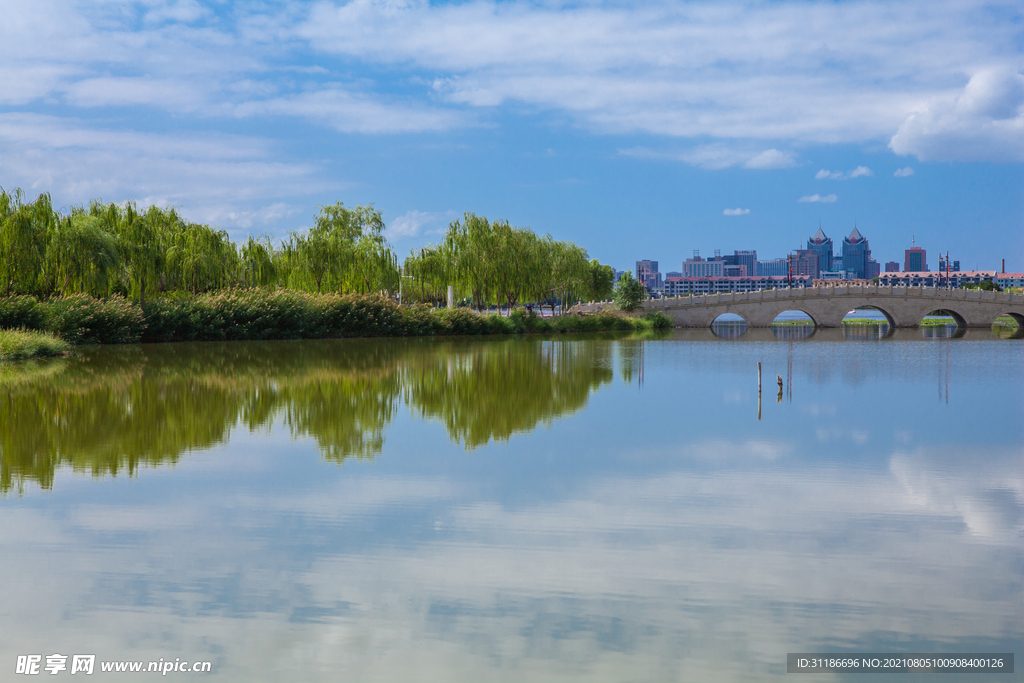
[106, 248]
[494, 262]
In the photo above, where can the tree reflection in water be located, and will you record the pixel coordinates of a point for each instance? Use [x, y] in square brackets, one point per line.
[112, 410]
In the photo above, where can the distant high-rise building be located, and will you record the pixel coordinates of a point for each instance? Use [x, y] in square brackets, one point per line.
[804, 262]
[856, 253]
[672, 273]
[953, 266]
[746, 258]
[779, 266]
[874, 268]
[699, 267]
[892, 266]
[648, 275]
[915, 260]
[821, 244]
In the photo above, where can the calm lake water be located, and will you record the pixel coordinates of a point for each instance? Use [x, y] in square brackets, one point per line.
[588, 509]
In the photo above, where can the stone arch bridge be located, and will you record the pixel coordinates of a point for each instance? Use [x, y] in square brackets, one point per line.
[903, 306]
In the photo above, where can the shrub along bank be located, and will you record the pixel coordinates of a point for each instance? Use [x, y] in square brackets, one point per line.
[279, 314]
[20, 344]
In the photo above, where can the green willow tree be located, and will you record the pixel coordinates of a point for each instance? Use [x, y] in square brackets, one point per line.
[496, 263]
[106, 248]
[345, 251]
[602, 281]
[143, 242]
[200, 259]
[471, 245]
[516, 256]
[80, 256]
[258, 259]
[23, 236]
[629, 292]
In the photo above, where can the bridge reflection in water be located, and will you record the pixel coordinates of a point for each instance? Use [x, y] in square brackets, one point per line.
[861, 332]
[729, 329]
[798, 331]
[947, 331]
[729, 326]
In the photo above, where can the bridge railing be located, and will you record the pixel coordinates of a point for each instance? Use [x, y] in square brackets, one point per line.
[717, 298]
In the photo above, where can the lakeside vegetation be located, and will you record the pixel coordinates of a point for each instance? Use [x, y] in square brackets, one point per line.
[112, 273]
[280, 314]
[106, 249]
[22, 344]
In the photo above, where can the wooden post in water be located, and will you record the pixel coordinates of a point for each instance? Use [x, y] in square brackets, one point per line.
[758, 391]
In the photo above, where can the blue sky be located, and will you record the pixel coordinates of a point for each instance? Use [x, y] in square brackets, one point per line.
[641, 130]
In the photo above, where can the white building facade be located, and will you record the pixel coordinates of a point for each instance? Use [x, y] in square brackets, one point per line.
[689, 286]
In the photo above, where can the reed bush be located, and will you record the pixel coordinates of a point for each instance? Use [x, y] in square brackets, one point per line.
[21, 344]
[22, 312]
[657, 321]
[259, 314]
[81, 319]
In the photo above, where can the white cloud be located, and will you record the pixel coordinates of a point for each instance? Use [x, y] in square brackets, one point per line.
[247, 219]
[825, 174]
[412, 223]
[173, 94]
[768, 159]
[781, 72]
[226, 179]
[736, 212]
[904, 172]
[984, 122]
[718, 156]
[821, 73]
[351, 112]
[827, 199]
[186, 11]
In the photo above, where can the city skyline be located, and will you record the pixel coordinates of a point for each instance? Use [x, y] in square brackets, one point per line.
[820, 244]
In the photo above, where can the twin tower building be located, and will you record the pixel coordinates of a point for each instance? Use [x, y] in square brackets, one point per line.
[855, 263]
[818, 260]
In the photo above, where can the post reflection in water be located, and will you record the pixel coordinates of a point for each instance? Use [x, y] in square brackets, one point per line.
[951, 331]
[868, 331]
[790, 331]
[729, 329]
[602, 508]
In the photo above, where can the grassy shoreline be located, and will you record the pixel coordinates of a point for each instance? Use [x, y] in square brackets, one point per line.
[281, 314]
[22, 344]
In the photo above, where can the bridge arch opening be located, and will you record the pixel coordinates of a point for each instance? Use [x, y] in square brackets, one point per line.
[1009, 326]
[943, 323]
[867, 322]
[793, 324]
[729, 326]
